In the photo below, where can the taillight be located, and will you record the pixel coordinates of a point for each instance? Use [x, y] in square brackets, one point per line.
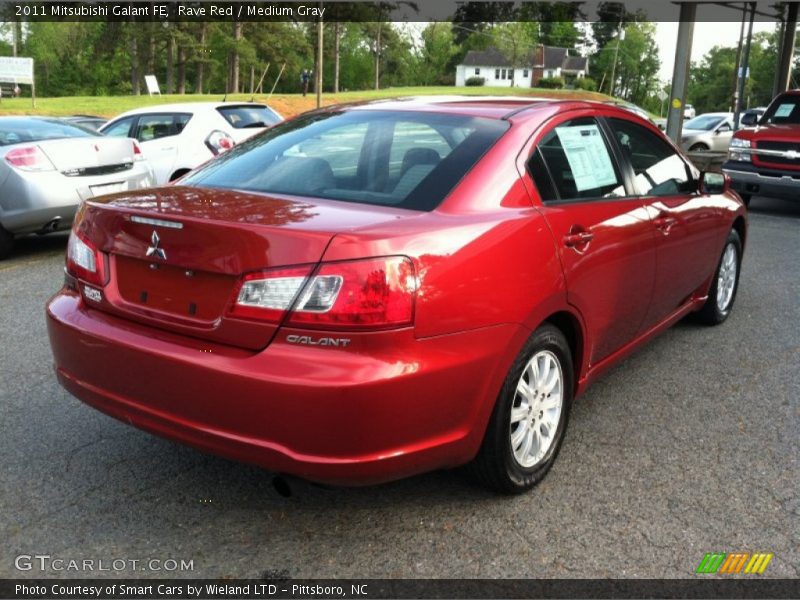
[219, 141]
[29, 158]
[137, 152]
[84, 260]
[373, 293]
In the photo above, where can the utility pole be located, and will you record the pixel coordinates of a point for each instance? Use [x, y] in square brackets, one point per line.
[744, 68]
[612, 81]
[319, 60]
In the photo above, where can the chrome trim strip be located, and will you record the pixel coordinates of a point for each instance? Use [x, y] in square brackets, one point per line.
[156, 222]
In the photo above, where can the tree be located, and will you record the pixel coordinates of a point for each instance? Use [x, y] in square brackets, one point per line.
[435, 54]
[516, 41]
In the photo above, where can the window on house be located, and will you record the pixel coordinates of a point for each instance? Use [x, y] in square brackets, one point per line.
[497, 73]
[477, 71]
[511, 73]
[524, 72]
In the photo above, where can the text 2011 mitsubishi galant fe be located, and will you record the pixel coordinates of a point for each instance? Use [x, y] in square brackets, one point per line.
[363, 293]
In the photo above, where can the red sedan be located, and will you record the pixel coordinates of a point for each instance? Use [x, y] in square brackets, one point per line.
[368, 292]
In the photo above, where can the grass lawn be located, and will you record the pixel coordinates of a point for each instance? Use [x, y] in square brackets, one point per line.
[286, 104]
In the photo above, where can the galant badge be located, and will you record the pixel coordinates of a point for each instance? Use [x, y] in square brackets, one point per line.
[154, 250]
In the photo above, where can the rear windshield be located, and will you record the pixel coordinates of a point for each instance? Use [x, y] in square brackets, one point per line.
[242, 117]
[403, 159]
[784, 109]
[16, 131]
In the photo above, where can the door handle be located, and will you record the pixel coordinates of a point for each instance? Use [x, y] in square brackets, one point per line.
[664, 223]
[580, 238]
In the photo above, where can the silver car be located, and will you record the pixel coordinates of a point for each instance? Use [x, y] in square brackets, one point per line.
[708, 132]
[49, 166]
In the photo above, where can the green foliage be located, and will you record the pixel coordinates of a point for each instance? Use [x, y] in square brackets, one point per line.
[474, 81]
[635, 74]
[551, 83]
[585, 83]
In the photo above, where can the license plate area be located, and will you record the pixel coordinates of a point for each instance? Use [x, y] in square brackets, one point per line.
[108, 188]
[169, 289]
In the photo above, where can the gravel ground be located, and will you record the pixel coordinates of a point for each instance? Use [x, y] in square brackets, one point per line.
[689, 446]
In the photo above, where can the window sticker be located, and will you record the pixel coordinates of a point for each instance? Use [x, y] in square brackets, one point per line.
[784, 110]
[588, 156]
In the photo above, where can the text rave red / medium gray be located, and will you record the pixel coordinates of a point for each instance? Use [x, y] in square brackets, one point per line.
[364, 293]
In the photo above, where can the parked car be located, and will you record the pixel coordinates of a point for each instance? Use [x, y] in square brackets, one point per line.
[176, 138]
[90, 121]
[48, 166]
[689, 112]
[373, 291]
[750, 117]
[765, 160]
[709, 131]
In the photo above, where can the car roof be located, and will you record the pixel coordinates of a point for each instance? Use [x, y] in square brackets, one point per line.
[493, 107]
[189, 107]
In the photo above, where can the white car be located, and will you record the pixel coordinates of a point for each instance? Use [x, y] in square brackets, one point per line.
[689, 112]
[709, 131]
[176, 138]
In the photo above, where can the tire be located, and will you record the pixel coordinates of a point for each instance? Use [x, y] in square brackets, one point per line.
[699, 148]
[6, 243]
[502, 463]
[723, 289]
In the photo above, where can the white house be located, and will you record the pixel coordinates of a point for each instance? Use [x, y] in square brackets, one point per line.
[497, 70]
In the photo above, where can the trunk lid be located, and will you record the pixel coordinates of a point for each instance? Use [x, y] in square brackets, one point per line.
[90, 155]
[177, 254]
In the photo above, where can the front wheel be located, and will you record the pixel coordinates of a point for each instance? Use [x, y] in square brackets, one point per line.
[530, 417]
[726, 282]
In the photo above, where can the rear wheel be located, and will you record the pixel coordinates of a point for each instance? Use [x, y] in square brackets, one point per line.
[6, 243]
[726, 281]
[530, 417]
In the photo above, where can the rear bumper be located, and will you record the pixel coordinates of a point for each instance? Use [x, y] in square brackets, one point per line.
[772, 184]
[30, 201]
[370, 413]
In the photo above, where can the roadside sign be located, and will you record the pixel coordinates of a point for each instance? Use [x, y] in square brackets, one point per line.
[152, 84]
[16, 70]
[662, 95]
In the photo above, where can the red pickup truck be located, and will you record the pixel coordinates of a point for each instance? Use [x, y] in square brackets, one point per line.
[765, 160]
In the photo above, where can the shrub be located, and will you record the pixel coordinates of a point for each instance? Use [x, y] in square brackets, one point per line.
[553, 83]
[585, 83]
[475, 81]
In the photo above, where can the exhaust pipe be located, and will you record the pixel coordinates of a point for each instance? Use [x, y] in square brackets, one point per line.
[50, 226]
[282, 486]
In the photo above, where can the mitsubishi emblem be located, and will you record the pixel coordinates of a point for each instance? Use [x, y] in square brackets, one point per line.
[154, 250]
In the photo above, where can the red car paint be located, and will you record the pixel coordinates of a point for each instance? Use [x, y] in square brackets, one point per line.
[364, 406]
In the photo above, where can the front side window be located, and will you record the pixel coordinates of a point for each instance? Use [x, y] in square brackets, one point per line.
[121, 128]
[703, 122]
[658, 168]
[784, 109]
[404, 159]
[574, 163]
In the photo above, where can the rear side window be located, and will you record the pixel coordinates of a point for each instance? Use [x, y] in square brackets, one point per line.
[404, 159]
[658, 169]
[15, 130]
[574, 162]
[242, 117]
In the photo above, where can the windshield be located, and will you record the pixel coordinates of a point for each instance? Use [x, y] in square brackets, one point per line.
[17, 131]
[403, 159]
[784, 109]
[703, 122]
[241, 117]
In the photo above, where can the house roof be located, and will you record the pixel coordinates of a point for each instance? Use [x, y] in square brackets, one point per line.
[554, 58]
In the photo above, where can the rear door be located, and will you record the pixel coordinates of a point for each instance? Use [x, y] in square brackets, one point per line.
[158, 138]
[685, 223]
[604, 235]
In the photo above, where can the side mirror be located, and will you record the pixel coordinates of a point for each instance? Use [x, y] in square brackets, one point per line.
[749, 119]
[714, 183]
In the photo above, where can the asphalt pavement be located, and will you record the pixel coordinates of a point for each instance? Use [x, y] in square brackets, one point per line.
[689, 446]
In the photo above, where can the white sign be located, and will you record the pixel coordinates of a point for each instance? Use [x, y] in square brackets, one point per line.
[152, 84]
[784, 110]
[16, 70]
[588, 157]
[662, 95]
